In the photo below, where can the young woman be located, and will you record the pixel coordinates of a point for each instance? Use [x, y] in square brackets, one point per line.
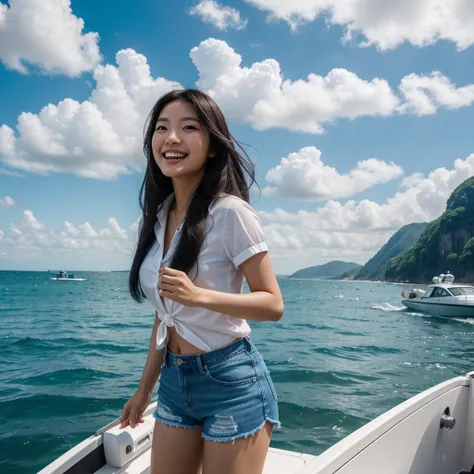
[199, 238]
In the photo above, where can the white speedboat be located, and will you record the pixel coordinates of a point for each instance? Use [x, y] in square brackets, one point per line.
[443, 298]
[431, 433]
[63, 276]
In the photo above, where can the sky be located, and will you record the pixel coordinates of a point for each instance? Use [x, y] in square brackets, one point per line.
[358, 116]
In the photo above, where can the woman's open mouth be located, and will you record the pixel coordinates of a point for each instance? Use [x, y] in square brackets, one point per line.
[174, 156]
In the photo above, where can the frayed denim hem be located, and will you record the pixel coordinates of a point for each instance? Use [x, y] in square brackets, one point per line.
[166, 422]
[276, 426]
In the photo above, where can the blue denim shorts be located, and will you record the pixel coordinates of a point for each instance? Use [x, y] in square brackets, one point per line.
[227, 393]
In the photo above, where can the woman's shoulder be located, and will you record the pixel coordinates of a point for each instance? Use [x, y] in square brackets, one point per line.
[227, 202]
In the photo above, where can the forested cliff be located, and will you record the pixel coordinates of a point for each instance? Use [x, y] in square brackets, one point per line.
[446, 243]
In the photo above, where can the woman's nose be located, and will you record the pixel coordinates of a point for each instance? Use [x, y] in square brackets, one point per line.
[172, 138]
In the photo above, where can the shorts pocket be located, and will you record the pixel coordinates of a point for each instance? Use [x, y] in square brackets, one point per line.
[238, 370]
[270, 383]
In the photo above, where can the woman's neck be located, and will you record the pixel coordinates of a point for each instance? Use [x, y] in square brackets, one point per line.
[183, 190]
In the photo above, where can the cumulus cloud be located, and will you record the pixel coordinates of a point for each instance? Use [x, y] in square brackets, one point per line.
[260, 96]
[222, 17]
[46, 34]
[8, 202]
[352, 230]
[362, 226]
[99, 138]
[383, 23]
[424, 94]
[32, 235]
[303, 175]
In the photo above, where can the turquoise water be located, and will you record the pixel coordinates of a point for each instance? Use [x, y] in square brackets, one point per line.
[71, 354]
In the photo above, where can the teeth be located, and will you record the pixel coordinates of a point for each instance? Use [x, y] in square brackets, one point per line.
[175, 155]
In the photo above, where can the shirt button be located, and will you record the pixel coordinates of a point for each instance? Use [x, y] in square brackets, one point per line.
[254, 379]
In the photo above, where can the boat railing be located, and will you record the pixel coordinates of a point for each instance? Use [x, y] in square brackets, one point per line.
[150, 408]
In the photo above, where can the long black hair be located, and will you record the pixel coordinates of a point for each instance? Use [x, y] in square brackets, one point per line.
[224, 173]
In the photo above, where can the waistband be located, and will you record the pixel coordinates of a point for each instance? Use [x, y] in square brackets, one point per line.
[199, 362]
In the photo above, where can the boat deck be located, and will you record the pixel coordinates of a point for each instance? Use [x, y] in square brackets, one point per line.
[278, 462]
[431, 433]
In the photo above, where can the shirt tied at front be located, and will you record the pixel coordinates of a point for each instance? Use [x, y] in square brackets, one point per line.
[162, 332]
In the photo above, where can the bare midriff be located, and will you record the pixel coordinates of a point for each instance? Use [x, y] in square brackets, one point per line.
[178, 345]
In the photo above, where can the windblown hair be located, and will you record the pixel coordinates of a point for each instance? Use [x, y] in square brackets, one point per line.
[224, 173]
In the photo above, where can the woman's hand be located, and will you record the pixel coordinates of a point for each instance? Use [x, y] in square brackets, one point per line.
[132, 413]
[176, 285]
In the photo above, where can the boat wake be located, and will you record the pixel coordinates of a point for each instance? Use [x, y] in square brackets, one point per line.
[387, 307]
[464, 320]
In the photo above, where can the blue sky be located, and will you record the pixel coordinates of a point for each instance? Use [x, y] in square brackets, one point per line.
[350, 141]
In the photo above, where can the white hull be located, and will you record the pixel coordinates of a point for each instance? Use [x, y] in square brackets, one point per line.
[407, 439]
[438, 309]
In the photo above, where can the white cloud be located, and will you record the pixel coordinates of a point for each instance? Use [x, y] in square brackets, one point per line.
[260, 96]
[220, 16]
[353, 230]
[13, 174]
[423, 95]
[358, 229]
[30, 221]
[384, 23]
[46, 34]
[99, 138]
[31, 234]
[8, 202]
[303, 175]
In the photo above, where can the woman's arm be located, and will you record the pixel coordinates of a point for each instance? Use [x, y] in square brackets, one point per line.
[152, 368]
[133, 410]
[264, 303]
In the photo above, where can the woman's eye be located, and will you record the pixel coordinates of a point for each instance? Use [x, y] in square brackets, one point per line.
[190, 127]
[159, 128]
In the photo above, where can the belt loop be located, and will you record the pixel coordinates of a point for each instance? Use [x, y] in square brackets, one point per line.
[200, 363]
[248, 343]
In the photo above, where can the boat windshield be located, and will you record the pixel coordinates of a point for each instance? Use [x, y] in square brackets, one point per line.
[462, 290]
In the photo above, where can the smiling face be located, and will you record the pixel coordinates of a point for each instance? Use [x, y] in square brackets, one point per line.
[180, 143]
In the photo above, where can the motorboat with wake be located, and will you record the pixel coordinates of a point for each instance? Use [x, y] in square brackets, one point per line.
[443, 298]
[431, 433]
[63, 276]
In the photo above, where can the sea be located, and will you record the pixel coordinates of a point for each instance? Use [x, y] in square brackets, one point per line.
[71, 355]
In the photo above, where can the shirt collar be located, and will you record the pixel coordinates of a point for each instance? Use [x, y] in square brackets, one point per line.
[162, 214]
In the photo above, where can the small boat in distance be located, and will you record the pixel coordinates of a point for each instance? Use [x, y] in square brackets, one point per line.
[443, 298]
[63, 276]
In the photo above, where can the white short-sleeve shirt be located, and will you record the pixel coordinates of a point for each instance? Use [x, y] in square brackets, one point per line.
[233, 235]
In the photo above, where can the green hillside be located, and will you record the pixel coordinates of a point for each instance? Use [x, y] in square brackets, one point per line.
[403, 239]
[446, 243]
[329, 270]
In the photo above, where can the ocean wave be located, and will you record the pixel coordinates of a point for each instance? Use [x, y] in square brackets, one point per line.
[35, 406]
[33, 343]
[464, 320]
[304, 417]
[356, 352]
[68, 376]
[387, 307]
[325, 377]
[350, 333]
[317, 327]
